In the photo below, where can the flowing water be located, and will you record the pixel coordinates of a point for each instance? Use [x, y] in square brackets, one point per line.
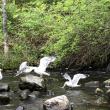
[81, 98]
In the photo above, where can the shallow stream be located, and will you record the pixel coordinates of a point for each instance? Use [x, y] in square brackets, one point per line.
[81, 98]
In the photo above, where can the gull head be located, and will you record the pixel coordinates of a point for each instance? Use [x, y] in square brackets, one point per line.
[25, 62]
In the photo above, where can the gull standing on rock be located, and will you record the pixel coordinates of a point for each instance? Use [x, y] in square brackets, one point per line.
[73, 82]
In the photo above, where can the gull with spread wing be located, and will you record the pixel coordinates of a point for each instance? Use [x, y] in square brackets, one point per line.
[73, 82]
[44, 62]
[41, 69]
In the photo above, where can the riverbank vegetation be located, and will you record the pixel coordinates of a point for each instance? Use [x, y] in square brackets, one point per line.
[77, 31]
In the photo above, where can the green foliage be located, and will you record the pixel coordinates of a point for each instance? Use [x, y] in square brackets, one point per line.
[77, 31]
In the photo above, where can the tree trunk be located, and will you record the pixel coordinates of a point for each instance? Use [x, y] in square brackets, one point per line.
[4, 15]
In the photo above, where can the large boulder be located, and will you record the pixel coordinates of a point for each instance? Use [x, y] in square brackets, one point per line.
[56, 103]
[33, 83]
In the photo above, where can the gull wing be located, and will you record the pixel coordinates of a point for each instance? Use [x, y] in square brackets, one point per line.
[77, 77]
[66, 76]
[45, 61]
[22, 67]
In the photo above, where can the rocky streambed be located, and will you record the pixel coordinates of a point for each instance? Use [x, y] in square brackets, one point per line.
[83, 98]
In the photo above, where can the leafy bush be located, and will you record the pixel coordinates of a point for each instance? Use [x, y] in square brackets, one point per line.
[77, 31]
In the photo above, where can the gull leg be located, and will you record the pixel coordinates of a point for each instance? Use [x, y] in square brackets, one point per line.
[18, 73]
[63, 85]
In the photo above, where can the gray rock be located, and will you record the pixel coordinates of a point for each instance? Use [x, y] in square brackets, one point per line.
[34, 94]
[20, 108]
[98, 90]
[100, 101]
[4, 98]
[107, 81]
[56, 103]
[4, 87]
[24, 94]
[33, 83]
[32, 79]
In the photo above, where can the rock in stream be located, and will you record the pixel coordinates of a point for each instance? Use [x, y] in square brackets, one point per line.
[4, 98]
[4, 87]
[33, 83]
[29, 84]
[4, 94]
[56, 103]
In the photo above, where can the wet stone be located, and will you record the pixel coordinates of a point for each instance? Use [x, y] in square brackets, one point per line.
[33, 83]
[34, 94]
[24, 94]
[4, 87]
[56, 103]
[20, 108]
[4, 98]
